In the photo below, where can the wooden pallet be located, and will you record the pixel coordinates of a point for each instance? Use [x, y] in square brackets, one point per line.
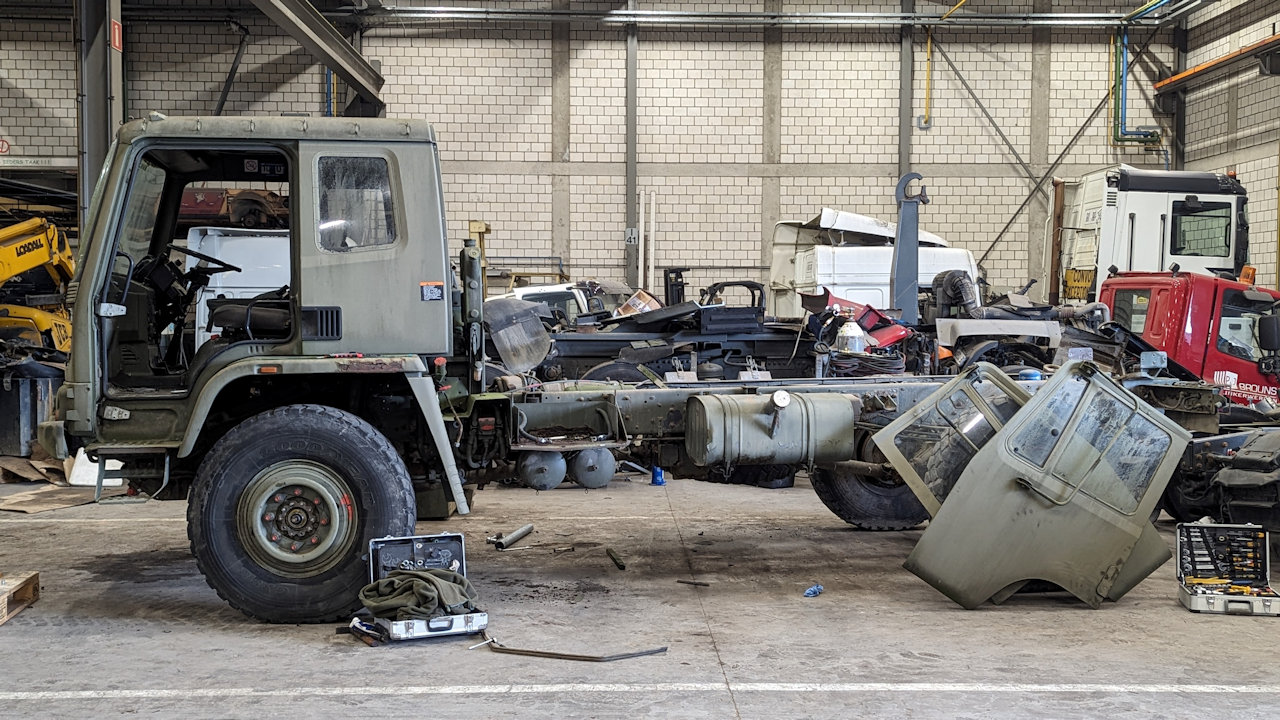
[17, 592]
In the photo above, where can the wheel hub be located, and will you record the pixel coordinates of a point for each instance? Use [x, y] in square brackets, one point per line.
[296, 518]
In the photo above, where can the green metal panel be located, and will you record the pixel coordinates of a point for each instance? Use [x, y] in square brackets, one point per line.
[394, 298]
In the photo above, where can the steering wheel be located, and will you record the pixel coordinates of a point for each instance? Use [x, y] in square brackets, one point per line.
[221, 266]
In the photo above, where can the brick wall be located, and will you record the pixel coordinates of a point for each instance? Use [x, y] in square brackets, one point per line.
[703, 115]
[1232, 122]
[37, 90]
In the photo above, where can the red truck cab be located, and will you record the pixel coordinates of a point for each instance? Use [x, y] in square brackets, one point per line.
[1206, 324]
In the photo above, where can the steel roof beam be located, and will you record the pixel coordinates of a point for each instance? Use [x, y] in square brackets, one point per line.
[306, 25]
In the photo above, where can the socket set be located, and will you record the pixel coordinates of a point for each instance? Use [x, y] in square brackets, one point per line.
[1225, 569]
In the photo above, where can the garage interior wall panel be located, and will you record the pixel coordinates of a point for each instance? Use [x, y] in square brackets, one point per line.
[186, 77]
[839, 97]
[488, 93]
[598, 93]
[597, 218]
[997, 65]
[517, 208]
[802, 197]
[1080, 77]
[37, 89]
[708, 224]
[700, 97]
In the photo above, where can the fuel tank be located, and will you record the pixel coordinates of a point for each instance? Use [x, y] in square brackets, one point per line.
[781, 428]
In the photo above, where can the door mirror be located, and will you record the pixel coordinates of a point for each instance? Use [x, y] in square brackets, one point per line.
[1269, 333]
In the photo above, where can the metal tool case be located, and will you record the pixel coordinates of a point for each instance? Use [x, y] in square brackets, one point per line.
[1225, 569]
[446, 551]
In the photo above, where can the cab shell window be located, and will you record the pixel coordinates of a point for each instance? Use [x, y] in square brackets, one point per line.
[355, 206]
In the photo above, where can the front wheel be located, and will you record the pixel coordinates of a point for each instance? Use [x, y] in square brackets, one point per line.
[283, 507]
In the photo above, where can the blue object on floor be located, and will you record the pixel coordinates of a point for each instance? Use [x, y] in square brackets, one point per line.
[814, 591]
[657, 477]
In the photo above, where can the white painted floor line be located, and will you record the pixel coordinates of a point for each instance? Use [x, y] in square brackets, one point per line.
[134, 520]
[663, 688]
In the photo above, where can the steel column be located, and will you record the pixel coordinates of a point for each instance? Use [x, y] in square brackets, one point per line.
[100, 87]
[631, 253]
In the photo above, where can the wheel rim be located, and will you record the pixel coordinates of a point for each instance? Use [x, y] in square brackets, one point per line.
[296, 518]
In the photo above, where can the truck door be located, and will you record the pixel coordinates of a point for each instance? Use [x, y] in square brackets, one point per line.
[374, 251]
[1232, 358]
[146, 301]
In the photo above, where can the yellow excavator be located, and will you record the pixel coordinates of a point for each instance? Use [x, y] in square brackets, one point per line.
[36, 265]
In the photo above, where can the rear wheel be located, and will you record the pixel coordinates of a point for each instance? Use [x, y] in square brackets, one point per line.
[285, 504]
[865, 502]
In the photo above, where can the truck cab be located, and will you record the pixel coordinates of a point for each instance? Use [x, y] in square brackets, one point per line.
[1147, 220]
[1206, 324]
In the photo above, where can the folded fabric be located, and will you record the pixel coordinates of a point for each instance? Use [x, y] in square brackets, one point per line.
[419, 594]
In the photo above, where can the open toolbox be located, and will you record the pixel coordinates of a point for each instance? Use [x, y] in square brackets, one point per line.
[1225, 569]
[446, 551]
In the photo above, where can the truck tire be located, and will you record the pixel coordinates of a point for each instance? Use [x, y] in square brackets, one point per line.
[867, 503]
[283, 507]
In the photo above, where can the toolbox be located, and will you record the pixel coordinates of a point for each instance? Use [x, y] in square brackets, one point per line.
[1225, 569]
[446, 551]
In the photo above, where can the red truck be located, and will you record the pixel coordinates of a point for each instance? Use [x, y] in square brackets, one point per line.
[1204, 323]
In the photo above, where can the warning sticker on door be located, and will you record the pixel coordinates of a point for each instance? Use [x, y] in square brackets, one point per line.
[432, 290]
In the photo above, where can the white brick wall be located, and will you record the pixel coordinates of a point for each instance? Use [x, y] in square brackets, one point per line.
[517, 208]
[1080, 78]
[803, 197]
[839, 97]
[598, 92]
[997, 65]
[37, 89]
[488, 92]
[708, 221]
[180, 69]
[597, 222]
[700, 97]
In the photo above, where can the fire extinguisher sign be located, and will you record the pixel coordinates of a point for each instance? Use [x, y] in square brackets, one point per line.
[117, 36]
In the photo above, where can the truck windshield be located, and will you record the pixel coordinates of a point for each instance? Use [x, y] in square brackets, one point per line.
[1237, 326]
[1201, 228]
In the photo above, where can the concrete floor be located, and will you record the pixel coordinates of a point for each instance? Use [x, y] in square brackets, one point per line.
[127, 626]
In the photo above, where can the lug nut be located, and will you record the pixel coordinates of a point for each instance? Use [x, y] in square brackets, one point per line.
[275, 538]
[269, 517]
[293, 546]
[315, 540]
[297, 491]
[279, 498]
[316, 501]
[324, 521]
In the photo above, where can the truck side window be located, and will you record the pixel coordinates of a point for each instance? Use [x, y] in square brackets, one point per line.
[1237, 325]
[1131, 309]
[356, 209]
[1201, 229]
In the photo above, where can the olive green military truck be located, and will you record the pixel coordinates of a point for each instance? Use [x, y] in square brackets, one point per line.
[306, 387]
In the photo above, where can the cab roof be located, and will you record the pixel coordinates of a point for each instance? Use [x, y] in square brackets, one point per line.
[277, 128]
